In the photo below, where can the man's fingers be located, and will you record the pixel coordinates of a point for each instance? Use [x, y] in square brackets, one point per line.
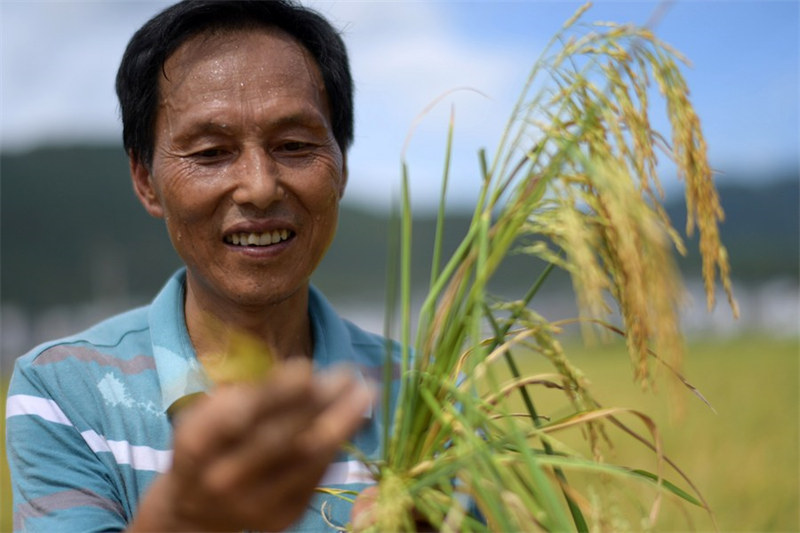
[268, 447]
[305, 432]
[229, 415]
[244, 434]
[343, 415]
[362, 513]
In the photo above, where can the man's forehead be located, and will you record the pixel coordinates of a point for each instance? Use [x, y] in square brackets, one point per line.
[263, 48]
[212, 77]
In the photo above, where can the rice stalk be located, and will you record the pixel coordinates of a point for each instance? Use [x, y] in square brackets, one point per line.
[573, 182]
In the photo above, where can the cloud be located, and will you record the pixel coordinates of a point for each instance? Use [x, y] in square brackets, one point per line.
[404, 56]
[59, 60]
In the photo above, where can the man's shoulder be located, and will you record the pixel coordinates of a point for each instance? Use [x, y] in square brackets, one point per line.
[122, 335]
[364, 339]
[371, 349]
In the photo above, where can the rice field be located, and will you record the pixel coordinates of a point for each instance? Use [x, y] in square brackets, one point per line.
[743, 458]
[5, 483]
[742, 455]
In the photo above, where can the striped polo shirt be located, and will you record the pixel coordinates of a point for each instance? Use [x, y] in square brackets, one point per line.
[87, 428]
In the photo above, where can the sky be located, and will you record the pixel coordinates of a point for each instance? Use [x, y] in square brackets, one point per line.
[59, 58]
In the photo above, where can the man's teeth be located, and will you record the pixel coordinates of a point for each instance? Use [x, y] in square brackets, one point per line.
[258, 239]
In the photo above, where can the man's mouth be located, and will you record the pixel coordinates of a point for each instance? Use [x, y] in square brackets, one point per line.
[266, 238]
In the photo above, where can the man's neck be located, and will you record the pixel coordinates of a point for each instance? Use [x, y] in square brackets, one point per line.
[283, 327]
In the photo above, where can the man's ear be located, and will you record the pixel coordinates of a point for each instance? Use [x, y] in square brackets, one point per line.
[143, 186]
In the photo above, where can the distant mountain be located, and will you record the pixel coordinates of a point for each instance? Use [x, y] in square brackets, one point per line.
[71, 230]
[761, 229]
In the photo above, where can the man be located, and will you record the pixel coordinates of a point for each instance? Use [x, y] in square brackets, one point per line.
[237, 117]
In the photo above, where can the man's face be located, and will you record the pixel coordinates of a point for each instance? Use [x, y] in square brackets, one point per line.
[246, 170]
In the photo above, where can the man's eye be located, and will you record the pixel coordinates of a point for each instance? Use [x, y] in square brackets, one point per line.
[294, 146]
[210, 153]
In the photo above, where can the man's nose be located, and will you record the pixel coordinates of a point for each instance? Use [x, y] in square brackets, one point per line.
[258, 179]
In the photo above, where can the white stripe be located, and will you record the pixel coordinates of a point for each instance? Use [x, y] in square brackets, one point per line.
[25, 404]
[139, 457]
[147, 458]
[346, 473]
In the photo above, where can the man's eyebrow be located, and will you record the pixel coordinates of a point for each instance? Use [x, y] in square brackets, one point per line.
[299, 118]
[210, 127]
[200, 129]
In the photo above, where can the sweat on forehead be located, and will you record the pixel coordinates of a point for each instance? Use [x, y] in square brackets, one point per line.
[215, 50]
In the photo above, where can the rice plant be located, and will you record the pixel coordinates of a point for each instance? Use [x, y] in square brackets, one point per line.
[573, 182]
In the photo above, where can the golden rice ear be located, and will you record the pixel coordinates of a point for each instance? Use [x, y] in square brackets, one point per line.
[244, 358]
[703, 208]
[247, 360]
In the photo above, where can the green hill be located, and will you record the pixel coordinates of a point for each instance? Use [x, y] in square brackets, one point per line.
[71, 230]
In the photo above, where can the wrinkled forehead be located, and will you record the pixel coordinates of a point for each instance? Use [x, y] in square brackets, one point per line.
[246, 53]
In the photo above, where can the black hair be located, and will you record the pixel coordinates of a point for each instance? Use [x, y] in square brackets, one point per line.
[143, 61]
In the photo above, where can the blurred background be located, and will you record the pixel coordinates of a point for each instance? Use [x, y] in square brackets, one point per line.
[75, 246]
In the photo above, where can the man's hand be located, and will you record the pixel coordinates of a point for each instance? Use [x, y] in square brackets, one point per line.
[250, 456]
[363, 515]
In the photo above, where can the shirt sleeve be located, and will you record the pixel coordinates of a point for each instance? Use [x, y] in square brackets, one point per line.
[58, 482]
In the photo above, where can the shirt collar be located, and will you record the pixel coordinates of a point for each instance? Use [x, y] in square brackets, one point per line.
[180, 374]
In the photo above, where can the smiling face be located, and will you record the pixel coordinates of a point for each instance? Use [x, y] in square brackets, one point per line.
[246, 170]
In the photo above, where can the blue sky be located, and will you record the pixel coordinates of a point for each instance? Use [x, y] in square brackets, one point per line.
[59, 60]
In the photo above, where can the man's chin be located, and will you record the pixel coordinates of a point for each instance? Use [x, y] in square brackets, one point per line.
[247, 291]
[260, 295]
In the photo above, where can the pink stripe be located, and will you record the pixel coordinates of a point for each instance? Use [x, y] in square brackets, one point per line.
[58, 353]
